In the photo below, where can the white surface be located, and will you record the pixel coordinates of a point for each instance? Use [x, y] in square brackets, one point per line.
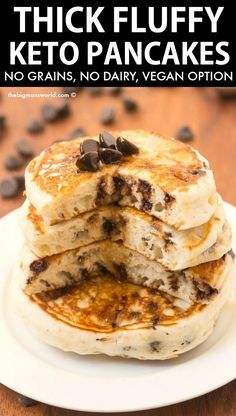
[103, 384]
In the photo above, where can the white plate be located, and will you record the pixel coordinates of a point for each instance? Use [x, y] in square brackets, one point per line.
[102, 384]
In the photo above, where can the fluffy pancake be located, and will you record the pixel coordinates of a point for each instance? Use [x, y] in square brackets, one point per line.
[174, 249]
[104, 315]
[195, 284]
[167, 179]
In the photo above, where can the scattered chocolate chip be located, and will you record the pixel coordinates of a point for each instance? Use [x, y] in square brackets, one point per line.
[107, 115]
[129, 104]
[227, 93]
[113, 90]
[78, 132]
[147, 206]
[34, 126]
[155, 346]
[49, 113]
[95, 91]
[125, 147]
[89, 145]
[13, 162]
[108, 226]
[26, 401]
[185, 134]
[109, 155]
[88, 162]
[2, 121]
[24, 148]
[9, 188]
[21, 181]
[38, 266]
[107, 140]
[63, 110]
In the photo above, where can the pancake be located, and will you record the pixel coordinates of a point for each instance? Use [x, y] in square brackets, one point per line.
[195, 284]
[174, 249]
[102, 315]
[167, 179]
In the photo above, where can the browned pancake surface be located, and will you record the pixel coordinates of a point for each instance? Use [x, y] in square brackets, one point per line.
[104, 304]
[170, 163]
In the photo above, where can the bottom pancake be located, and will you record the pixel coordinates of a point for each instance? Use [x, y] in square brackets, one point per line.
[102, 315]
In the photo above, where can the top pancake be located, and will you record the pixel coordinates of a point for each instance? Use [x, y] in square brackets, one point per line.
[167, 179]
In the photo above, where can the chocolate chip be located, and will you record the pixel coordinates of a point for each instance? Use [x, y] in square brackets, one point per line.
[108, 226]
[185, 134]
[88, 162]
[78, 132]
[127, 348]
[147, 206]
[80, 259]
[121, 269]
[34, 126]
[38, 266]
[155, 345]
[26, 401]
[125, 147]
[101, 268]
[2, 121]
[89, 145]
[107, 115]
[113, 90]
[13, 162]
[107, 140]
[129, 104]
[155, 321]
[84, 274]
[21, 181]
[109, 155]
[63, 110]
[53, 113]
[118, 182]
[152, 307]
[49, 113]
[95, 91]
[199, 172]
[24, 148]
[144, 187]
[168, 198]
[9, 188]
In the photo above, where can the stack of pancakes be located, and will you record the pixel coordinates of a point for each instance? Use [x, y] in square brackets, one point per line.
[131, 259]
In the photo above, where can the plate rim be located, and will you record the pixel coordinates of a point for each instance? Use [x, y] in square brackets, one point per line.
[12, 384]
